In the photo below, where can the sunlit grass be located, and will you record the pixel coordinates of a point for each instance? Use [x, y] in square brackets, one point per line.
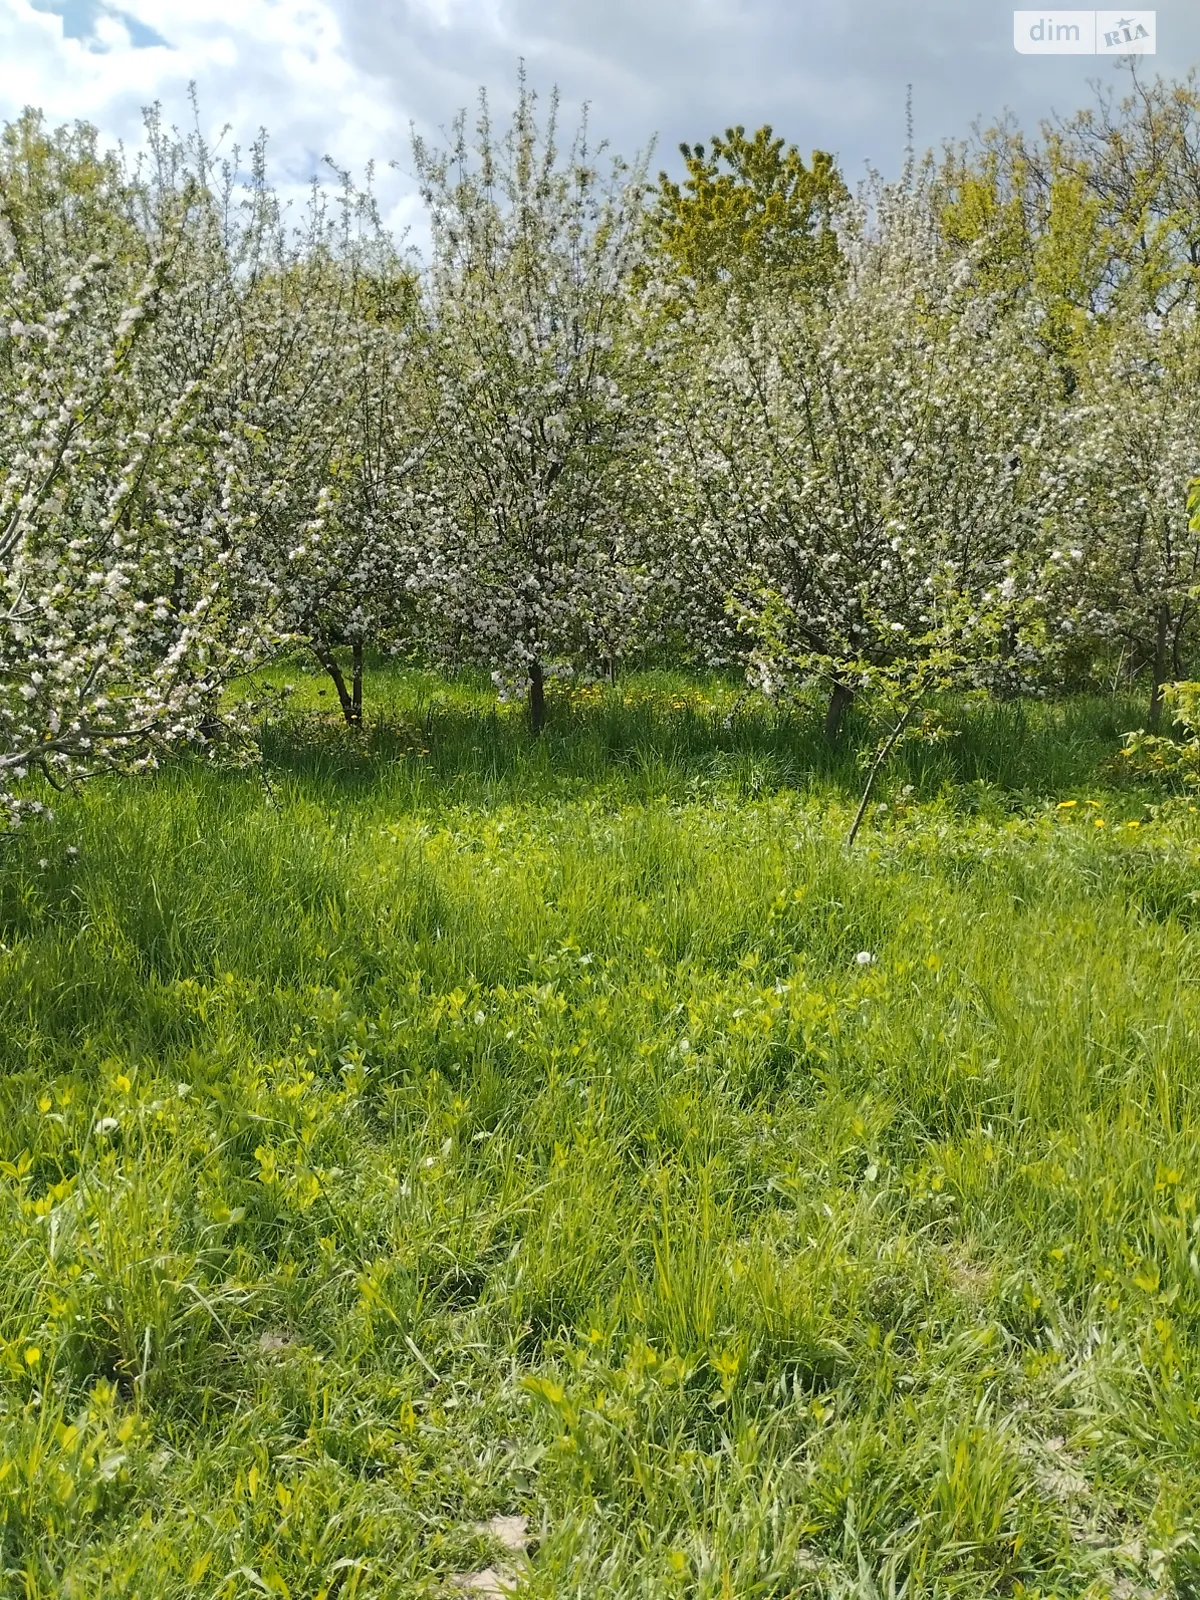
[449, 1125]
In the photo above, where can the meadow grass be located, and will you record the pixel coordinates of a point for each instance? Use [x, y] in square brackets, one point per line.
[449, 1125]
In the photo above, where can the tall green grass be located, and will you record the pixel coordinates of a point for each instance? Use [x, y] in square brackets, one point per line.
[444, 1125]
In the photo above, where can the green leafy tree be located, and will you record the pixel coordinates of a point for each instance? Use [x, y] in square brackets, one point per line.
[749, 208]
[1039, 239]
[1138, 156]
[1093, 219]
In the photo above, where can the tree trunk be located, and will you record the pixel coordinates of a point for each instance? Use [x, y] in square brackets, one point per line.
[838, 701]
[356, 682]
[537, 698]
[351, 704]
[1162, 623]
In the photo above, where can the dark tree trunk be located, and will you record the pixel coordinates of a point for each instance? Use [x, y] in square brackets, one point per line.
[537, 698]
[1162, 623]
[356, 683]
[838, 701]
[351, 703]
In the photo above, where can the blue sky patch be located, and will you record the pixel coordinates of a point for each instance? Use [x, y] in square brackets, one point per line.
[79, 18]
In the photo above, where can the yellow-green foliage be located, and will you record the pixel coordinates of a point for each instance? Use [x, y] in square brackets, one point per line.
[1039, 234]
[39, 169]
[1160, 756]
[750, 208]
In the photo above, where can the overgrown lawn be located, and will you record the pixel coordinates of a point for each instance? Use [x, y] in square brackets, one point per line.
[450, 1126]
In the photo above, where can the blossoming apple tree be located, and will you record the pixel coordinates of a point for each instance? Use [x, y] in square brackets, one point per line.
[115, 631]
[532, 564]
[1131, 448]
[319, 432]
[205, 446]
[860, 470]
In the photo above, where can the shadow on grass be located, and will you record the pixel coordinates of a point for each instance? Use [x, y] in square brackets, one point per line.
[677, 739]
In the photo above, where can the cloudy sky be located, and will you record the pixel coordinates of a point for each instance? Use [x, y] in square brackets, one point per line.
[348, 77]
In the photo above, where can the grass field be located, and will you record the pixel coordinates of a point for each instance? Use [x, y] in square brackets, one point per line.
[457, 1128]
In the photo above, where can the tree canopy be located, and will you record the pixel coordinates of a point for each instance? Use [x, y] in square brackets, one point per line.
[750, 208]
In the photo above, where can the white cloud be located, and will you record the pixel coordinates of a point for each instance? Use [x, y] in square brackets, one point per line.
[344, 77]
[278, 64]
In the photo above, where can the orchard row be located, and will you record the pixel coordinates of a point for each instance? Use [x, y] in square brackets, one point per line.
[941, 431]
